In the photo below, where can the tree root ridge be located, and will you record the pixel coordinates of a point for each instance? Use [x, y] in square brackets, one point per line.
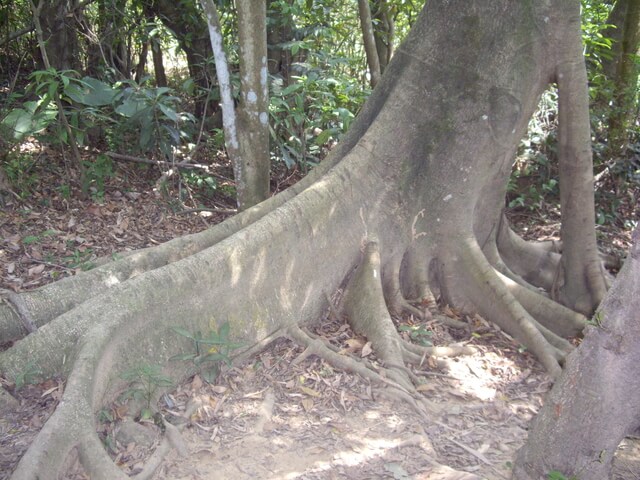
[33, 309]
[480, 287]
[368, 314]
[392, 379]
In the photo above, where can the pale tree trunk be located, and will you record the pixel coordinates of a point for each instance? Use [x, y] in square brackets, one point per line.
[409, 202]
[369, 41]
[253, 116]
[595, 403]
[246, 129]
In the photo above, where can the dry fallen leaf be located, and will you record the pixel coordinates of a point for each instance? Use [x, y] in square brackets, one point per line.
[196, 383]
[426, 387]
[367, 349]
[37, 270]
[307, 404]
[353, 345]
[309, 391]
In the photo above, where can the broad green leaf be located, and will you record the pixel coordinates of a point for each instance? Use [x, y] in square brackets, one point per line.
[223, 331]
[294, 87]
[323, 137]
[161, 91]
[24, 123]
[91, 92]
[170, 113]
[183, 331]
[130, 107]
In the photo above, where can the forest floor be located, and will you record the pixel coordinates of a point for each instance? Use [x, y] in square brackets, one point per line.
[274, 417]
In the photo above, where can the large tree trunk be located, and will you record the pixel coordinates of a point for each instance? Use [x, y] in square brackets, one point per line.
[595, 403]
[413, 196]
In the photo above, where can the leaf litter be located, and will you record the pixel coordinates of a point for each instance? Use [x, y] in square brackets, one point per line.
[271, 418]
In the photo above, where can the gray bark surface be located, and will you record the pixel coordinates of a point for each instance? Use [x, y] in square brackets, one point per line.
[595, 403]
[418, 184]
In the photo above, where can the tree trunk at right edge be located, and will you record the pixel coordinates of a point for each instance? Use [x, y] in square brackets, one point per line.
[595, 403]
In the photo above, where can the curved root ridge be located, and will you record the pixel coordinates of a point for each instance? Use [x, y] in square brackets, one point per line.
[480, 287]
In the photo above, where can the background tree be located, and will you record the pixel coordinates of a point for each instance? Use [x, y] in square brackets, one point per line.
[384, 30]
[59, 21]
[185, 20]
[247, 134]
[369, 41]
[621, 70]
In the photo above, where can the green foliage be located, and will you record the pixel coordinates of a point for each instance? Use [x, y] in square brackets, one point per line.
[209, 350]
[534, 178]
[327, 84]
[310, 112]
[203, 182]
[418, 334]
[95, 174]
[555, 475]
[80, 259]
[154, 113]
[144, 381]
[595, 14]
[19, 169]
[29, 375]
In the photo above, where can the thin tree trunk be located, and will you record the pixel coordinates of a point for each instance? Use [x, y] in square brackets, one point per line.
[246, 135]
[190, 30]
[158, 63]
[253, 116]
[369, 41]
[384, 31]
[583, 285]
[142, 61]
[622, 71]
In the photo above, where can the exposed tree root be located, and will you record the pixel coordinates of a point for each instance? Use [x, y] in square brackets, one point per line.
[388, 377]
[555, 317]
[364, 304]
[535, 262]
[33, 309]
[396, 303]
[479, 285]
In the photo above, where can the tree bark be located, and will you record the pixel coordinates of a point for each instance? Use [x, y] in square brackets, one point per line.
[253, 115]
[59, 30]
[410, 201]
[622, 71]
[582, 285]
[158, 63]
[595, 403]
[369, 41]
[190, 30]
[246, 129]
[384, 31]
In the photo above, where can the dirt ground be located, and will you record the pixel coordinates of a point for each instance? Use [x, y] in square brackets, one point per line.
[274, 417]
